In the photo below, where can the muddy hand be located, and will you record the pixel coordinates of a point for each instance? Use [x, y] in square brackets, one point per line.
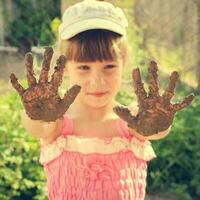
[156, 113]
[41, 100]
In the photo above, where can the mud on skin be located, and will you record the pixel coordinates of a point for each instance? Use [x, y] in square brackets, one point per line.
[156, 112]
[41, 100]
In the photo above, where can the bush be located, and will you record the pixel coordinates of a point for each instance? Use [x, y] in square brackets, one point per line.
[21, 175]
[176, 169]
[32, 26]
[177, 166]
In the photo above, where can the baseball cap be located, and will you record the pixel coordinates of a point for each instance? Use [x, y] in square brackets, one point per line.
[92, 14]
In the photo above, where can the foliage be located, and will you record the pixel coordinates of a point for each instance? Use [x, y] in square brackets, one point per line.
[32, 26]
[54, 26]
[124, 97]
[137, 55]
[176, 169]
[170, 60]
[21, 176]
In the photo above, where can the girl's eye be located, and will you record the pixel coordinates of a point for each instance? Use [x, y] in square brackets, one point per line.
[110, 66]
[84, 67]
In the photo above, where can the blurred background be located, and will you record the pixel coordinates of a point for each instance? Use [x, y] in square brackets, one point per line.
[165, 31]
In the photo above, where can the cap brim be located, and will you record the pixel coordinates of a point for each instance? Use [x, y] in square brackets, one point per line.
[67, 32]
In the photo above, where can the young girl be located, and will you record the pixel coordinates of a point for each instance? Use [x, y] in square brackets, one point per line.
[91, 146]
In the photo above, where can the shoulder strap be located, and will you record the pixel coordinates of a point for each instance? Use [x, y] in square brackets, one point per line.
[122, 128]
[67, 126]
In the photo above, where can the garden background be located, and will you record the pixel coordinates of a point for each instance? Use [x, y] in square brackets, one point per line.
[165, 31]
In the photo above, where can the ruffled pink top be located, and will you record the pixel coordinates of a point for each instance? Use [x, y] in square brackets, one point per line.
[83, 168]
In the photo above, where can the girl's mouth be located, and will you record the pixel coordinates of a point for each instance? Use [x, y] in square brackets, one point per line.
[98, 94]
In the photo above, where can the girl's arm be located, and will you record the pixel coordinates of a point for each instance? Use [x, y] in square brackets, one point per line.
[45, 131]
[44, 109]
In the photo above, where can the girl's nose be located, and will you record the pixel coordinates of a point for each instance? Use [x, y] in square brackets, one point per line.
[97, 79]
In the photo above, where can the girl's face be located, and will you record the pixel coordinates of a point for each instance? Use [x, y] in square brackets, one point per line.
[95, 77]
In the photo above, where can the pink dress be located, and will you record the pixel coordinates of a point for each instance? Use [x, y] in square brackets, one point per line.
[83, 168]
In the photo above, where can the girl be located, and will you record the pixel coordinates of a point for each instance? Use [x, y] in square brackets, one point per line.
[91, 146]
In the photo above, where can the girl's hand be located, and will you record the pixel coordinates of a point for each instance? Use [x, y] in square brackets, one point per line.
[156, 113]
[41, 100]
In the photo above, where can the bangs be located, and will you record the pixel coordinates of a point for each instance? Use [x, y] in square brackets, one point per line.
[94, 45]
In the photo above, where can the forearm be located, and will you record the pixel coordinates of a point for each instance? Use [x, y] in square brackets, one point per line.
[38, 128]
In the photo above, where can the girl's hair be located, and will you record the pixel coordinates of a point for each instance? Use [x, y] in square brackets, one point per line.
[95, 45]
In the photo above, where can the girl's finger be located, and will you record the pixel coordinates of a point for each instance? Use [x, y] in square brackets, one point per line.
[186, 102]
[48, 53]
[70, 95]
[16, 84]
[125, 114]
[138, 85]
[169, 92]
[56, 79]
[153, 79]
[29, 68]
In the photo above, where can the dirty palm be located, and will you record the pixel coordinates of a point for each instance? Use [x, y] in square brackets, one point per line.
[42, 102]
